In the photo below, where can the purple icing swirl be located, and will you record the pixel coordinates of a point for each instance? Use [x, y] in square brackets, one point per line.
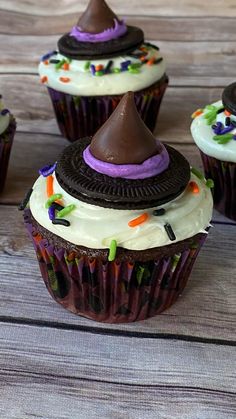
[112, 33]
[150, 167]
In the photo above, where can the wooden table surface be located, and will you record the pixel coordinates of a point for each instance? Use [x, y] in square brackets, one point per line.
[55, 365]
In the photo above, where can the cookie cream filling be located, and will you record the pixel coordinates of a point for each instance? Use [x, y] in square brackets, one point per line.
[4, 118]
[203, 136]
[93, 226]
[75, 77]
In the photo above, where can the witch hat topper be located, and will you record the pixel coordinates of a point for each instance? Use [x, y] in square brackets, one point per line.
[99, 33]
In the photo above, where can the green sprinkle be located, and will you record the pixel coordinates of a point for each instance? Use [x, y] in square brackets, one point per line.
[99, 73]
[87, 65]
[211, 115]
[60, 64]
[210, 183]
[197, 173]
[69, 60]
[223, 139]
[65, 211]
[133, 70]
[116, 70]
[140, 273]
[52, 199]
[134, 65]
[112, 251]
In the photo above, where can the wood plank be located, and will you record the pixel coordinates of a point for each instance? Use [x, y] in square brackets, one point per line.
[50, 373]
[189, 63]
[33, 110]
[156, 28]
[152, 8]
[206, 309]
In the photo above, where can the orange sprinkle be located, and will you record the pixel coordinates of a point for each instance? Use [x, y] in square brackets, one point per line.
[227, 113]
[151, 61]
[46, 62]
[198, 112]
[143, 49]
[64, 79]
[194, 187]
[99, 67]
[66, 66]
[143, 58]
[49, 186]
[44, 79]
[139, 220]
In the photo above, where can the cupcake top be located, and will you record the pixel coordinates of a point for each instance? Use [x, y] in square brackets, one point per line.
[124, 186]
[101, 55]
[214, 127]
[4, 117]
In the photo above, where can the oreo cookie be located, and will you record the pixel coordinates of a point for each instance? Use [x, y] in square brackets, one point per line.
[229, 98]
[125, 44]
[84, 184]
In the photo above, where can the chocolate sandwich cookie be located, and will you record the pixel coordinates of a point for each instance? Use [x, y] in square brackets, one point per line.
[229, 98]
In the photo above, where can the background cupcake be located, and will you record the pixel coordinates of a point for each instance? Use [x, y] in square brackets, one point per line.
[117, 224]
[98, 61]
[7, 131]
[214, 131]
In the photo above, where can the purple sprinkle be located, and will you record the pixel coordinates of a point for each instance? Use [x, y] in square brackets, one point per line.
[47, 170]
[52, 212]
[125, 65]
[49, 55]
[5, 112]
[227, 129]
[234, 137]
[217, 128]
[92, 69]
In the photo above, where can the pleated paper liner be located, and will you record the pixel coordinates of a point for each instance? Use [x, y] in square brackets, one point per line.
[224, 192]
[113, 292]
[81, 116]
[6, 141]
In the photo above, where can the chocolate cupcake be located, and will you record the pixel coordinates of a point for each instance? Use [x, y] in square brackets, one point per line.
[214, 132]
[118, 221]
[7, 132]
[99, 60]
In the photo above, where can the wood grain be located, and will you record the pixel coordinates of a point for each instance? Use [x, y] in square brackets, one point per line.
[149, 8]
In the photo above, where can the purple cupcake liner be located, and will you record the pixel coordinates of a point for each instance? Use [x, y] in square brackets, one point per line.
[224, 176]
[121, 291]
[80, 116]
[6, 141]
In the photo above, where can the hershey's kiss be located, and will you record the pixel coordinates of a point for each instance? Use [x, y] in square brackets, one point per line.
[97, 17]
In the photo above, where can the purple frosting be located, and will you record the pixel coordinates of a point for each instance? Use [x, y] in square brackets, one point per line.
[108, 34]
[150, 167]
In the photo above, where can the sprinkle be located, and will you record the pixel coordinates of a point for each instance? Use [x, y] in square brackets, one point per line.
[57, 206]
[158, 60]
[112, 251]
[47, 170]
[170, 232]
[210, 183]
[49, 55]
[52, 212]
[61, 222]
[66, 211]
[223, 139]
[4, 112]
[44, 79]
[108, 66]
[194, 187]
[217, 128]
[99, 73]
[198, 112]
[64, 79]
[144, 59]
[159, 212]
[116, 70]
[151, 61]
[92, 69]
[87, 65]
[134, 70]
[49, 186]
[139, 220]
[54, 61]
[124, 65]
[60, 64]
[220, 110]
[152, 46]
[66, 66]
[227, 121]
[99, 67]
[25, 201]
[134, 65]
[53, 198]
[197, 173]
[227, 113]
[46, 62]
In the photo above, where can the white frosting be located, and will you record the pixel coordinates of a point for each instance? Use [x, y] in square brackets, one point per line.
[95, 227]
[4, 119]
[83, 83]
[203, 137]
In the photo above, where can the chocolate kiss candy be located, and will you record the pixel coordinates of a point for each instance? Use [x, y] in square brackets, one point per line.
[124, 138]
[97, 17]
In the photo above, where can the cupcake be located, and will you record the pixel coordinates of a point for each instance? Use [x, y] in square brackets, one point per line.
[99, 60]
[214, 131]
[118, 221]
[7, 131]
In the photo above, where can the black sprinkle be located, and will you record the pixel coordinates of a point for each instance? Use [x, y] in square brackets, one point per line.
[61, 221]
[227, 121]
[159, 60]
[151, 45]
[137, 54]
[108, 66]
[57, 206]
[25, 201]
[54, 61]
[220, 110]
[160, 211]
[170, 232]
